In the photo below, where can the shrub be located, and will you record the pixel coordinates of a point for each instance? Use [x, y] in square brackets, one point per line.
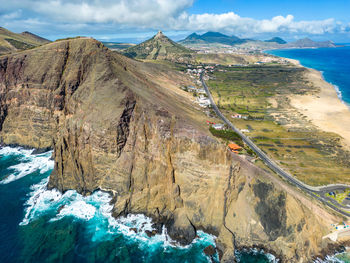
[228, 135]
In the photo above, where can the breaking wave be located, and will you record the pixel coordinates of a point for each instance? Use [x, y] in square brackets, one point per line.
[28, 163]
[96, 211]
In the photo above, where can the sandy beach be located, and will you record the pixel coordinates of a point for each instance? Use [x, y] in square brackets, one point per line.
[324, 109]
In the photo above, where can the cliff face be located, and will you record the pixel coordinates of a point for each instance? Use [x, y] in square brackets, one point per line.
[120, 125]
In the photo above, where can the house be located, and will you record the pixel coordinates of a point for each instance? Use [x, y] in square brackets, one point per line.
[191, 89]
[234, 147]
[218, 126]
[201, 91]
[203, 101]
[237, 116]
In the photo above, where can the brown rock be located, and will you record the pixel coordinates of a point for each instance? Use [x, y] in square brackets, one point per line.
[134, 229]
[209, 251]
[150, 233]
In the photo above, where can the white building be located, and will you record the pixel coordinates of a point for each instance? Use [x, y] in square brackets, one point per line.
[218, 126]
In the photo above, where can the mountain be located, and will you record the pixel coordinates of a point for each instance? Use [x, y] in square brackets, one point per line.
[248, 44]
[308, 43]
[11, 42]
[159, 47]
[277, 40]
[35, 38]
[125, 127]
[211, 38]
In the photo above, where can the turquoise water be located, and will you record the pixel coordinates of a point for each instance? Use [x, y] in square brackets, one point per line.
[40, 225]
[334, 63]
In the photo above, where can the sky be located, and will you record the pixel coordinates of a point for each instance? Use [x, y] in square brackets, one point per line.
[137, 20]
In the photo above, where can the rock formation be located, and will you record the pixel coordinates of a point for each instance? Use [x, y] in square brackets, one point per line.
[122, 126]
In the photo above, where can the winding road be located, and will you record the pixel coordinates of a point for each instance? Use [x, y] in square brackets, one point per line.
[316, 192]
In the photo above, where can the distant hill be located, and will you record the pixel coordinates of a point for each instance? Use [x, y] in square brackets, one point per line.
[277, 40]
[35, 38]
[308, 43]
[195, 41]
[117, 46]
[211, 38]
[159, 47]
[11, 42]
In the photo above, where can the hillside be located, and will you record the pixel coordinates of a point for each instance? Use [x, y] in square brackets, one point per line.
[11, 42]
[159, 47]
[124, 126]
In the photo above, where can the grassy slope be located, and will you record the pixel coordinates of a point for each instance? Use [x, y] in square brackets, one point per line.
[313, 156]
[10, 41]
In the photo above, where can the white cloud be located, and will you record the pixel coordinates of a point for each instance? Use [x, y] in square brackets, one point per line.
[233, 23]
[153, 14]
[141, 13]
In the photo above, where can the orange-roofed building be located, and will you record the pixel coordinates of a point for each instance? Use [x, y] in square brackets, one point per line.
[234, 147]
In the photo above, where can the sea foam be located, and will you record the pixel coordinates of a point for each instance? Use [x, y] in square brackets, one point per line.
[29, 163]
[329, 259]
[96, 211]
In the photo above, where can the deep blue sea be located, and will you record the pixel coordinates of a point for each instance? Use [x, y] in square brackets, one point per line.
[334, 63]
[39, 225]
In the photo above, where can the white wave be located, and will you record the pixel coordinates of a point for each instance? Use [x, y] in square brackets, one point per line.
[96, 211]
[4, 151]
[79, 209]
[30, 163]
[329, 259]
[40, 201]
[338, 91]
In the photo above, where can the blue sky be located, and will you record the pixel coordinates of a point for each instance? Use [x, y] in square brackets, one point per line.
[136, 20]
[262, 9]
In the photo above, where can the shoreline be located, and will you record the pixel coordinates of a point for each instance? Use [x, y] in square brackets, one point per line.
[298, 63]
[325, 109]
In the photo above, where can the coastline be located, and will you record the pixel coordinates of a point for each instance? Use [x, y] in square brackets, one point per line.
[325, 109]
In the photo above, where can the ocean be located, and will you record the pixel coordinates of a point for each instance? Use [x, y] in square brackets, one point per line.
[334, 63]
[40, 225]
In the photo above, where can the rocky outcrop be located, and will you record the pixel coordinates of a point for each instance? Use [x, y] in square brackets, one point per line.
[121, 126]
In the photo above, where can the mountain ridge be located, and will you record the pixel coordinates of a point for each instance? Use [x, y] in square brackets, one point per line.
[276, 42]
[211, 37]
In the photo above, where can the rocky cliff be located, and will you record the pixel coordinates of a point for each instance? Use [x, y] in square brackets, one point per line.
[122, 126]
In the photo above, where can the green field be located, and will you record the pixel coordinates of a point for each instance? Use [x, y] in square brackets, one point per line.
[260, 93]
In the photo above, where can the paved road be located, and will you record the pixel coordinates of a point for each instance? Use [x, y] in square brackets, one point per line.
[317, 192]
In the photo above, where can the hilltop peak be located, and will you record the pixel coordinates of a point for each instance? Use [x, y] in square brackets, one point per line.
[158, 47]
[277, 40]
[159, 34]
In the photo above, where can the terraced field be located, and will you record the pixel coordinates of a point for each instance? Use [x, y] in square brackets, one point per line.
[261, 94]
